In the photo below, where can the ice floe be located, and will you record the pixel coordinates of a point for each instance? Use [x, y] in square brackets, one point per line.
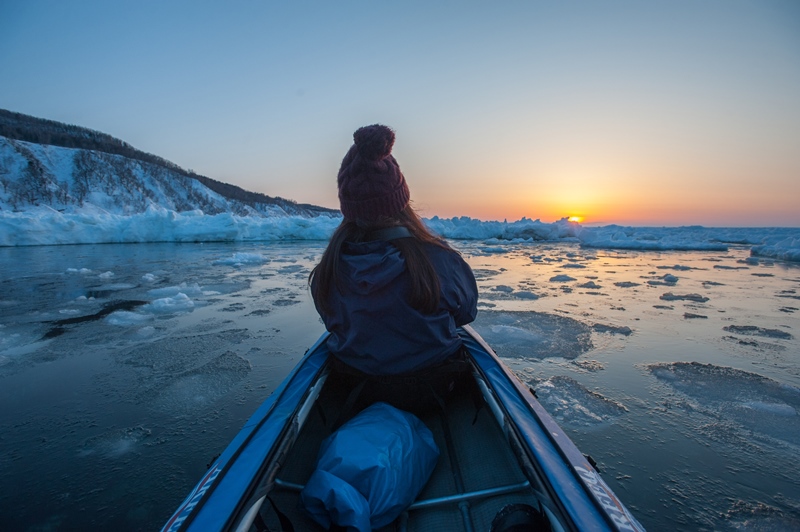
[533, 335]
[751, 400]
[752, 330]
[195, 389]
[571, 404]
[46, 226]
[116, 443]
[669, 296]
[243, 259]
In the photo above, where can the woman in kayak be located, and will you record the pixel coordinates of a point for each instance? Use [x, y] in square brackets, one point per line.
[390, 292]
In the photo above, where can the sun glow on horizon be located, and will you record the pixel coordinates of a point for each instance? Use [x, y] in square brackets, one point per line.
[576, 219]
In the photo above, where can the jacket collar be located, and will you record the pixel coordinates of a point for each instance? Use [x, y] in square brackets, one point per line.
[389, 233]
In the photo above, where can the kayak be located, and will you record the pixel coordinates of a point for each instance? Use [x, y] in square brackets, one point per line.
[504, 463]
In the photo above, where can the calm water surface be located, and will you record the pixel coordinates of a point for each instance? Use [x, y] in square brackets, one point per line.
[678, 372]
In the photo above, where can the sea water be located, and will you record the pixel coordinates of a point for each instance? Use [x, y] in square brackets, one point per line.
[125, 369]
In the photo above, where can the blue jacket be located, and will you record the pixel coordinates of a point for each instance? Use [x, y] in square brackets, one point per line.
[373, 326]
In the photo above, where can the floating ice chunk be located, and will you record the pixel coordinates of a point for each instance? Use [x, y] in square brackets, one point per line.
[524, 294]
[82, 271]
[752, 330]
[667, 279]
[483, 274]
[779, 409]
[123, 318]
[115, 444]
[502, 291]
[106, 275]
[117, 286]
[194, 390]
[759, 517]
[650, 238]
[241, 259]
[589, 365]
[562, 278]
[786, 249]
[170, 305]
[146, 332]
[149, 278]
[753, 401]
[572, 404]
[676, 267]
[612, 329]
[723, 383]
[502, 288]
[725, 267]
[192, 289]
[494, 249]
[669, 296]
[517, 334]
[23, 349]
[291, 268]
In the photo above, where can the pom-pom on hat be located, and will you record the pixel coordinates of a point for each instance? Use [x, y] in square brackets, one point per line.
[371, 184]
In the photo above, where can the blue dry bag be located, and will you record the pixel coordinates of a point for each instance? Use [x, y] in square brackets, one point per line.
[370, 470]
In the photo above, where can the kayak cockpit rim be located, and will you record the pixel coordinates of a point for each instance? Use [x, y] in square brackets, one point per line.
[297, 422]
[594, 489]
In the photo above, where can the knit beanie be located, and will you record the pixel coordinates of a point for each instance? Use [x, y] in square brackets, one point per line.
[370, 182]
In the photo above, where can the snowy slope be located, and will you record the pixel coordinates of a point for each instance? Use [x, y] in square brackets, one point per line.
[75, 179]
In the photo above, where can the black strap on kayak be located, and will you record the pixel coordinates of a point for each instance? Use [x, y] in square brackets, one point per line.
[260, 524]
[389, 233]
[347, 409]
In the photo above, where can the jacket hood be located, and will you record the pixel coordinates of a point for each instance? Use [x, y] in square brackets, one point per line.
[370, 266]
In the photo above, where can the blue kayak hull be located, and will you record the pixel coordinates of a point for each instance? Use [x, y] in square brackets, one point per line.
[231, 494]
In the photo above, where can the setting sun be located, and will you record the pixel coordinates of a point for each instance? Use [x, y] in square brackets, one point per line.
[576, 219]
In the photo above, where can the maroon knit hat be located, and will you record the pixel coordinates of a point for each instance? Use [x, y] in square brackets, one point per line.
[370, 182]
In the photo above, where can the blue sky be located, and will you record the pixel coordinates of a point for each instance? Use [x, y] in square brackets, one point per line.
[668, 113]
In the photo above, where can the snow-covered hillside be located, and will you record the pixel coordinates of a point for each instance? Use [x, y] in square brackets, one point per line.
[77, 179]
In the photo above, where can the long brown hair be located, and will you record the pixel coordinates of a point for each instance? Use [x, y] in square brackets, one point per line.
[424, 290]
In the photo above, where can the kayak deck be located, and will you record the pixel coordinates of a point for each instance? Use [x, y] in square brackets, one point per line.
[474, 456]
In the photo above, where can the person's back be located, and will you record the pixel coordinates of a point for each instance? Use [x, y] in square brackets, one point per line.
[375, 328]
[391, 293]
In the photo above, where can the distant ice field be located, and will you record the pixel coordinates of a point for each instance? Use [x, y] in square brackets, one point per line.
[92, 225]
[124, 369]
